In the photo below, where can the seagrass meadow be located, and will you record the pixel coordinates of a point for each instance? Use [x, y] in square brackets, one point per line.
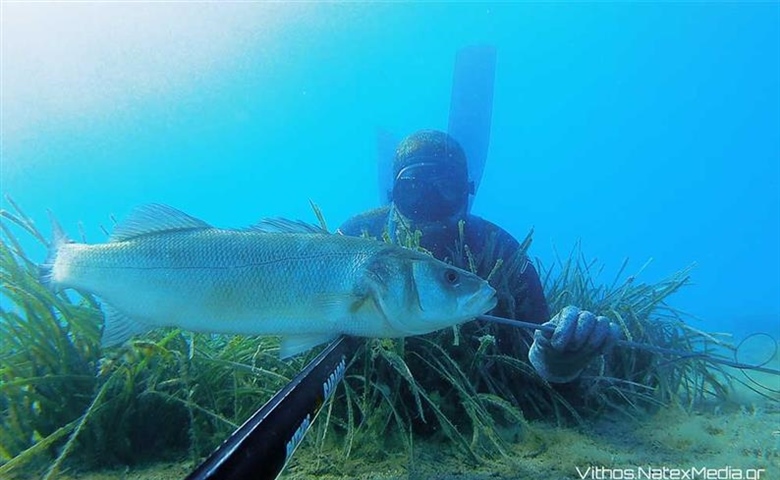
[444, 405]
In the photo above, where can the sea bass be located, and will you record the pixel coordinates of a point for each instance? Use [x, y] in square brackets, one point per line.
[162, 267]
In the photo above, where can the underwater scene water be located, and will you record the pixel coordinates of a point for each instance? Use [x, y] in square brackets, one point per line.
[634, 151]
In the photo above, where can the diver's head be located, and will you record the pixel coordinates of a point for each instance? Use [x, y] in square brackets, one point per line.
[431, 177]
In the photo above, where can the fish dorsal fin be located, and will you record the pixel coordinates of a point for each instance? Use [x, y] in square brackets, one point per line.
[154, 218]
[283, 225]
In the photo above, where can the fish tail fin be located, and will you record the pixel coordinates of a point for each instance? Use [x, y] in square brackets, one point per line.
[59, 238]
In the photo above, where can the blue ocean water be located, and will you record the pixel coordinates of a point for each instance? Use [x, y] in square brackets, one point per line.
[642, 130]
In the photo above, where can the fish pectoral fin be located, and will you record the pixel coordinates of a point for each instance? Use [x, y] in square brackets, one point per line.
[294, 344]
[118, 327]
[371, 297]
[366, 305]
[335, 305]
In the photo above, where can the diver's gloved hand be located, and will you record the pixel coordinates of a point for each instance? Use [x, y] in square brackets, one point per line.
[579, 337]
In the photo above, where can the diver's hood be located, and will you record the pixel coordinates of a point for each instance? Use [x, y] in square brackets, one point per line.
[471, 113]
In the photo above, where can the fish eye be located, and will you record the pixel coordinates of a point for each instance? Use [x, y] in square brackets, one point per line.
[451, 277]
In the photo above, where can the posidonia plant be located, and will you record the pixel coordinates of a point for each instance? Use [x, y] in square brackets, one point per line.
[66, 403]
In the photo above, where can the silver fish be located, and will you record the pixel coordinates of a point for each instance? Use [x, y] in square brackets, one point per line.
[162, 267]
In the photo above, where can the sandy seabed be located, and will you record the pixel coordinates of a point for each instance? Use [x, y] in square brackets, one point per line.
[741, 443]
[735, 440]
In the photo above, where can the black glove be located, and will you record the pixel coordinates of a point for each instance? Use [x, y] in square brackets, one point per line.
[579, 337]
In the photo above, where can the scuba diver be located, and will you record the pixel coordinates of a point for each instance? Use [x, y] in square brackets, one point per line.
[431, 194]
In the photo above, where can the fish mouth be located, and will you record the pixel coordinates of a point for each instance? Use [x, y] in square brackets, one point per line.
[481, 302]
